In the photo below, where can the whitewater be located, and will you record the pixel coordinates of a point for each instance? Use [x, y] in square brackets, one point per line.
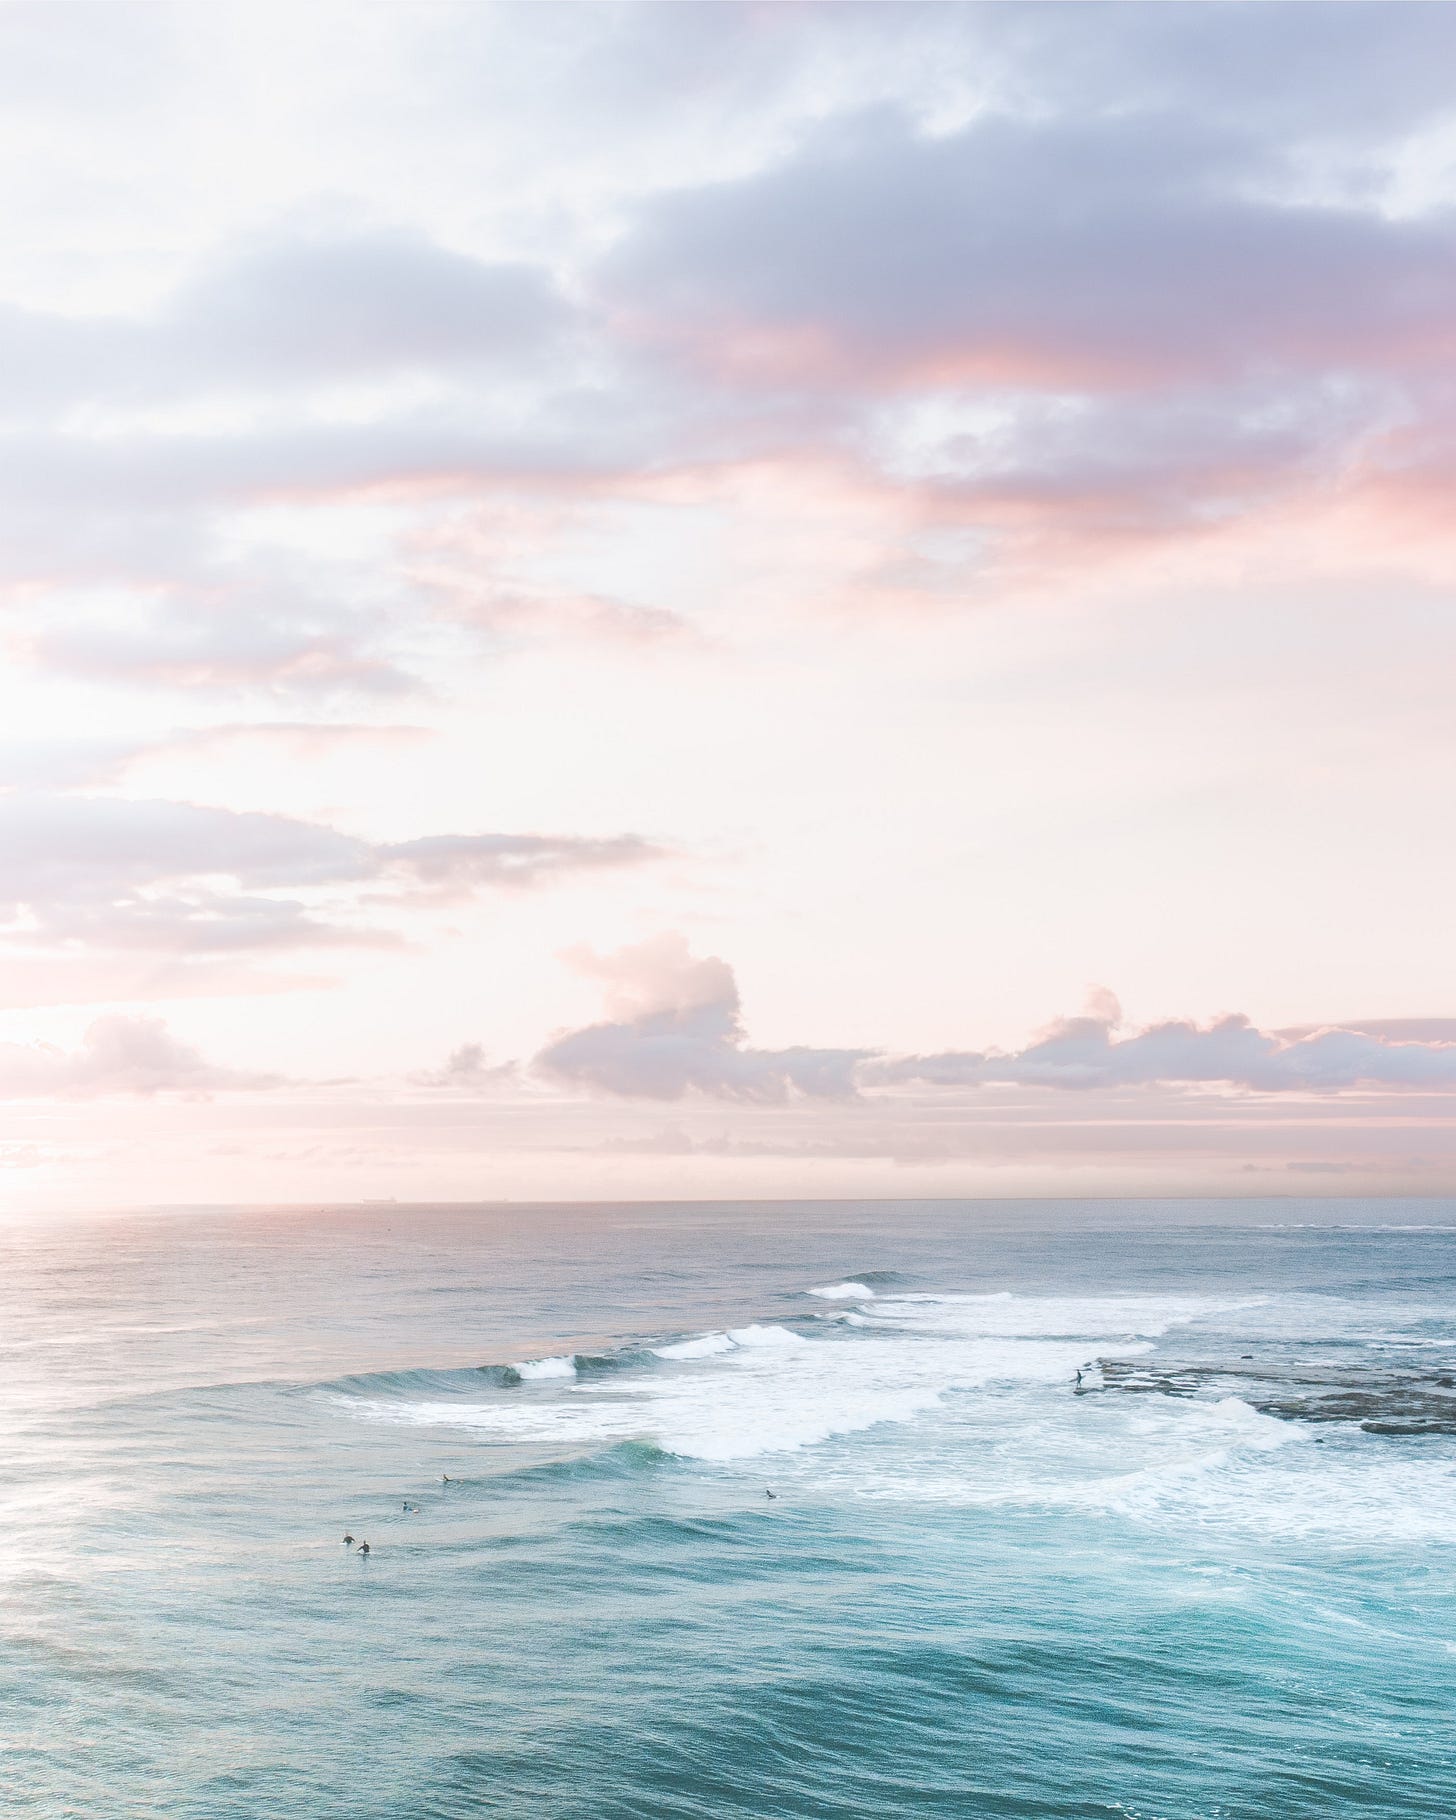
[826, 1509]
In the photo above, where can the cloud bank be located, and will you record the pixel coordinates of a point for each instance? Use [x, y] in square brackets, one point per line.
[1086, 1052]
[674, 1029]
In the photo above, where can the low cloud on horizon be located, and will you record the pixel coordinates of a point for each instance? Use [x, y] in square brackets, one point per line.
[676, 1030]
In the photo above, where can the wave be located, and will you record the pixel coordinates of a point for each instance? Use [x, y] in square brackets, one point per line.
[531, 1371]
[707, 1346]
[1222, 1468]
[464, 1380]
[840, 1292]
[763, 1389]
[1090, 1318]
[771, 1337]
[1325, 1226]
[712, 1345]
[473, 1380]
[624, 1460]
[750, 1391]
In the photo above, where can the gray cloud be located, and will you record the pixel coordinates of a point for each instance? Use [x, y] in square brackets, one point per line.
[1386, 1029]
[673, 1028]
[120, 559]
[676, 1030]
[130, 442]
[1273, 69]
[94, 57]
[464, 861]
[1123, 211]
[294, 307]
[467, 1068]
[1086, 1052]
[79, 763]
[1067, 252]
[317, 306]
[217, 636]
[1183, 457]
[117, 1055]
[112, 872]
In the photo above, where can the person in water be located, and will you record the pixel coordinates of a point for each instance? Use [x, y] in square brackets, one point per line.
[770, 1494]
[363, 1548]
[1079, 1374]
[348, 1540]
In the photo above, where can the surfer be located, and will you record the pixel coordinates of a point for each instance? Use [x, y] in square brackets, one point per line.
[770, 1494]
[348, 1541]
[362, 1549]
[444, 1478]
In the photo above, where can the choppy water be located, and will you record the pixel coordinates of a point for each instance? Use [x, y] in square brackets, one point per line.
[1215, 1582]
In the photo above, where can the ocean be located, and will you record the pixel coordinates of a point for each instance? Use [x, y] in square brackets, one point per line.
[1213, 1580]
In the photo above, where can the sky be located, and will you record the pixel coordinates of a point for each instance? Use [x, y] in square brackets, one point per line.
[723, 600]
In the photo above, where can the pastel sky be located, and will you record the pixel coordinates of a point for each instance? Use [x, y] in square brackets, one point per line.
[726, 599]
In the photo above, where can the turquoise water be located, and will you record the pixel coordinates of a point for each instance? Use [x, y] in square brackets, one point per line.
[1215, 1580]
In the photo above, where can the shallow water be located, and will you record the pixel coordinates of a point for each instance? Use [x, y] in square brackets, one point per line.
[1191, 1588]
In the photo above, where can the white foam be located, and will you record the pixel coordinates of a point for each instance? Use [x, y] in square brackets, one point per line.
[843, 1292]
[707, 1347]
[529, 1370]
[925, 1295]
[764, 1389]
[769, 1336]
[977, 1404]
[1091, 1318]
[772, 1391]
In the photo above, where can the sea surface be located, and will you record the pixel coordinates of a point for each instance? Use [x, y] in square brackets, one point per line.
[1214, 1580]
